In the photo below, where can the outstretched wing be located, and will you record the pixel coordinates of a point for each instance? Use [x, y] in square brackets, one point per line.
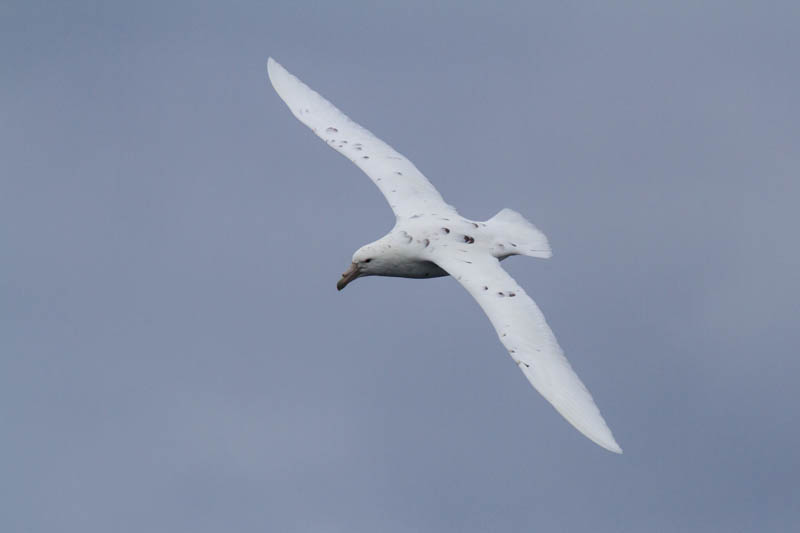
[530, 342]
[406, 189]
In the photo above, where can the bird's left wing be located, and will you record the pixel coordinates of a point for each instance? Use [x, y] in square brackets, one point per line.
[527, 337]
[406, 189]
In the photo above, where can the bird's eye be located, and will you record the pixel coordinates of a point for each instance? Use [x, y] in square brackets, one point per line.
[367, 260]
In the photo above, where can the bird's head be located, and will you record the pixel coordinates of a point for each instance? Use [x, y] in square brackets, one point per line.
[366, 262]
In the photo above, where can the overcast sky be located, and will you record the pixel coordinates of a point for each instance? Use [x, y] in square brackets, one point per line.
[174, 355]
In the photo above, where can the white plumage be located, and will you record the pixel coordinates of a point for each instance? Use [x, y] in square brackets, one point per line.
[431, 239]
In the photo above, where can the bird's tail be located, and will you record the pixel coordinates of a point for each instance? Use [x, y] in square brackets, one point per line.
[517, 236]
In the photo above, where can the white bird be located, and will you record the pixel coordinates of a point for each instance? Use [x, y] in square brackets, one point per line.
[430, 239]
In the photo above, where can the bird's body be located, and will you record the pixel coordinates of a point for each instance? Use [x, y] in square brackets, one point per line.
[430, 239]
[407, 250]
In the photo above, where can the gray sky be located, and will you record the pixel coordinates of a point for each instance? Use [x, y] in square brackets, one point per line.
[174, 355]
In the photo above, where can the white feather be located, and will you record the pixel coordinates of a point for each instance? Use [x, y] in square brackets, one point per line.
[465, 249]
[529, 340]
[406, 189]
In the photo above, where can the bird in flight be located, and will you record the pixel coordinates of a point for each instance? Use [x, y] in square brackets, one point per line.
[430, 239]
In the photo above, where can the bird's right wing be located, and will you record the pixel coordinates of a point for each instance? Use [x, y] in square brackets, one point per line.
[406, 189]
[527, 337]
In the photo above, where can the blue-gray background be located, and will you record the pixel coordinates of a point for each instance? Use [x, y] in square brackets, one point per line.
[174, 354]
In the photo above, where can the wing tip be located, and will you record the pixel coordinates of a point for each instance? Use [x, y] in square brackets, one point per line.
[603, 438]
[611, 446]
[273, 69]
[586, 418]
[283, 81]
